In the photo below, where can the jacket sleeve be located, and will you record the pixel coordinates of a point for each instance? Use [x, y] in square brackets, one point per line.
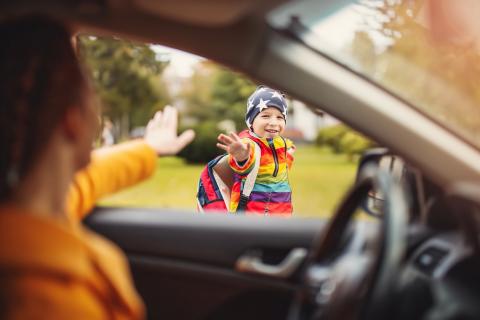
[246, 166]
[111, 169]
[290, 152]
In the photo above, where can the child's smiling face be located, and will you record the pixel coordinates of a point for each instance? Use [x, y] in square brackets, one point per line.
[269, 123]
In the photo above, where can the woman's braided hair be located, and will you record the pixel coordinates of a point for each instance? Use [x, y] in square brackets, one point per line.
[39, 79]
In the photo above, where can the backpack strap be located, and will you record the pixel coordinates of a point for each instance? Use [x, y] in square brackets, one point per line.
[250, 180]
[285, 143]
[223, 185]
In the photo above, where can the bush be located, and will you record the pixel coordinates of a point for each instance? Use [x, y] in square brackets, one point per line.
[331, 137]
[203, 148]
[342, 139]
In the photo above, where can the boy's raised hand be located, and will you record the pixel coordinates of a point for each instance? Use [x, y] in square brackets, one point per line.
[234, 146]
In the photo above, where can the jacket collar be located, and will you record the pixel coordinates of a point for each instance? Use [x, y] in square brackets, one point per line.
[264, 140]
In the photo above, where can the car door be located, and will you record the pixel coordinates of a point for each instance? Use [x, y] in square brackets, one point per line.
[199, 266]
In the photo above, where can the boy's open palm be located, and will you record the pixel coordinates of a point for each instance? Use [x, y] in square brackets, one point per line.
[234, 146]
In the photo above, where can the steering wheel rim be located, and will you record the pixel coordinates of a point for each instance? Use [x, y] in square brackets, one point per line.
[388, 257]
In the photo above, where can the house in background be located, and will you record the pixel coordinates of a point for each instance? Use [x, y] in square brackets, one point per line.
[303, 124]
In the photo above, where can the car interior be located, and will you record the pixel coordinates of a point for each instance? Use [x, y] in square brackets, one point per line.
[416, 256]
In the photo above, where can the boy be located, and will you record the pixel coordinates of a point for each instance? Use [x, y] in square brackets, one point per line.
[266, 119]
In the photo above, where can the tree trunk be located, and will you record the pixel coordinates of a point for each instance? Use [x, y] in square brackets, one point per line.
[125, 127]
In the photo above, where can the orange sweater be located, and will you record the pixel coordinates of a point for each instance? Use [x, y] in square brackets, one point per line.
[51, 269]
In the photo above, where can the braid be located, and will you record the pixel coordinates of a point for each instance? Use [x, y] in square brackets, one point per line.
[39, 79]
[30, 120]
[13, 103]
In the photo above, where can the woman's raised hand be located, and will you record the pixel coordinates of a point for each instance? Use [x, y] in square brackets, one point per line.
[161, 133]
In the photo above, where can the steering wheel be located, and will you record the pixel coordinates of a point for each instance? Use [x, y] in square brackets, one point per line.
[351, 272]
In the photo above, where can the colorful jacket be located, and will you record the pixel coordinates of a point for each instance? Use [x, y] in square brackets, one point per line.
[271, 193]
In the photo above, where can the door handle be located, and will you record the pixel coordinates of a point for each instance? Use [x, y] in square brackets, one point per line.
[249, 263]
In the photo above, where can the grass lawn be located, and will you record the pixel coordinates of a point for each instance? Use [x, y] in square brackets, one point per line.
[318, 179]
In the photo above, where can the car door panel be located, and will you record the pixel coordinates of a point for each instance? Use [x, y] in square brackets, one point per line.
[183, 264]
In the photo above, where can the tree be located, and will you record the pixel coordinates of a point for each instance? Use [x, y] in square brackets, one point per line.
[216, 94]
[230, 92]
[197, 92]
[127, 77]
[435, 77]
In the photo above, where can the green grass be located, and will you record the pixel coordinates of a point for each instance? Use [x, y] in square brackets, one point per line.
[318, 179]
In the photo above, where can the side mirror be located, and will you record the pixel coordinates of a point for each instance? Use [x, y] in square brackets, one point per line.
[382, 158]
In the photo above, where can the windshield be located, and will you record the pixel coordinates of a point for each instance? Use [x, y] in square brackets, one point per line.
[388, 41]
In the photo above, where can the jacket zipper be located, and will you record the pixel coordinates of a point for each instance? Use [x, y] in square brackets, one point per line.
[275, 157]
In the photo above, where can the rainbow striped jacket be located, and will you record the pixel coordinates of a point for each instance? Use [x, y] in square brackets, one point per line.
[271, 194]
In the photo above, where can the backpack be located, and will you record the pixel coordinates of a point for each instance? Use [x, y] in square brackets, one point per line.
[216, 181]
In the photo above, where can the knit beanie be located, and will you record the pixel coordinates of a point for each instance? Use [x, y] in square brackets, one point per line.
[262, 98]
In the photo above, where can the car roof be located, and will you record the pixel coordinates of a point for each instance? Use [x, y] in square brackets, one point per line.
[205, 28]
[192, 12]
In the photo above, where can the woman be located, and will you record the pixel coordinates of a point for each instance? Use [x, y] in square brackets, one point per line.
[50, 266]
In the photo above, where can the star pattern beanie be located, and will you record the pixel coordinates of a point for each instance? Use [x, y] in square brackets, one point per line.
[262, 98]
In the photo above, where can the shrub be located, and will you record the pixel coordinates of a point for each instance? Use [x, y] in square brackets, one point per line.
[342, 139]
[353, 143]
[331, 137]
[203, 148]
